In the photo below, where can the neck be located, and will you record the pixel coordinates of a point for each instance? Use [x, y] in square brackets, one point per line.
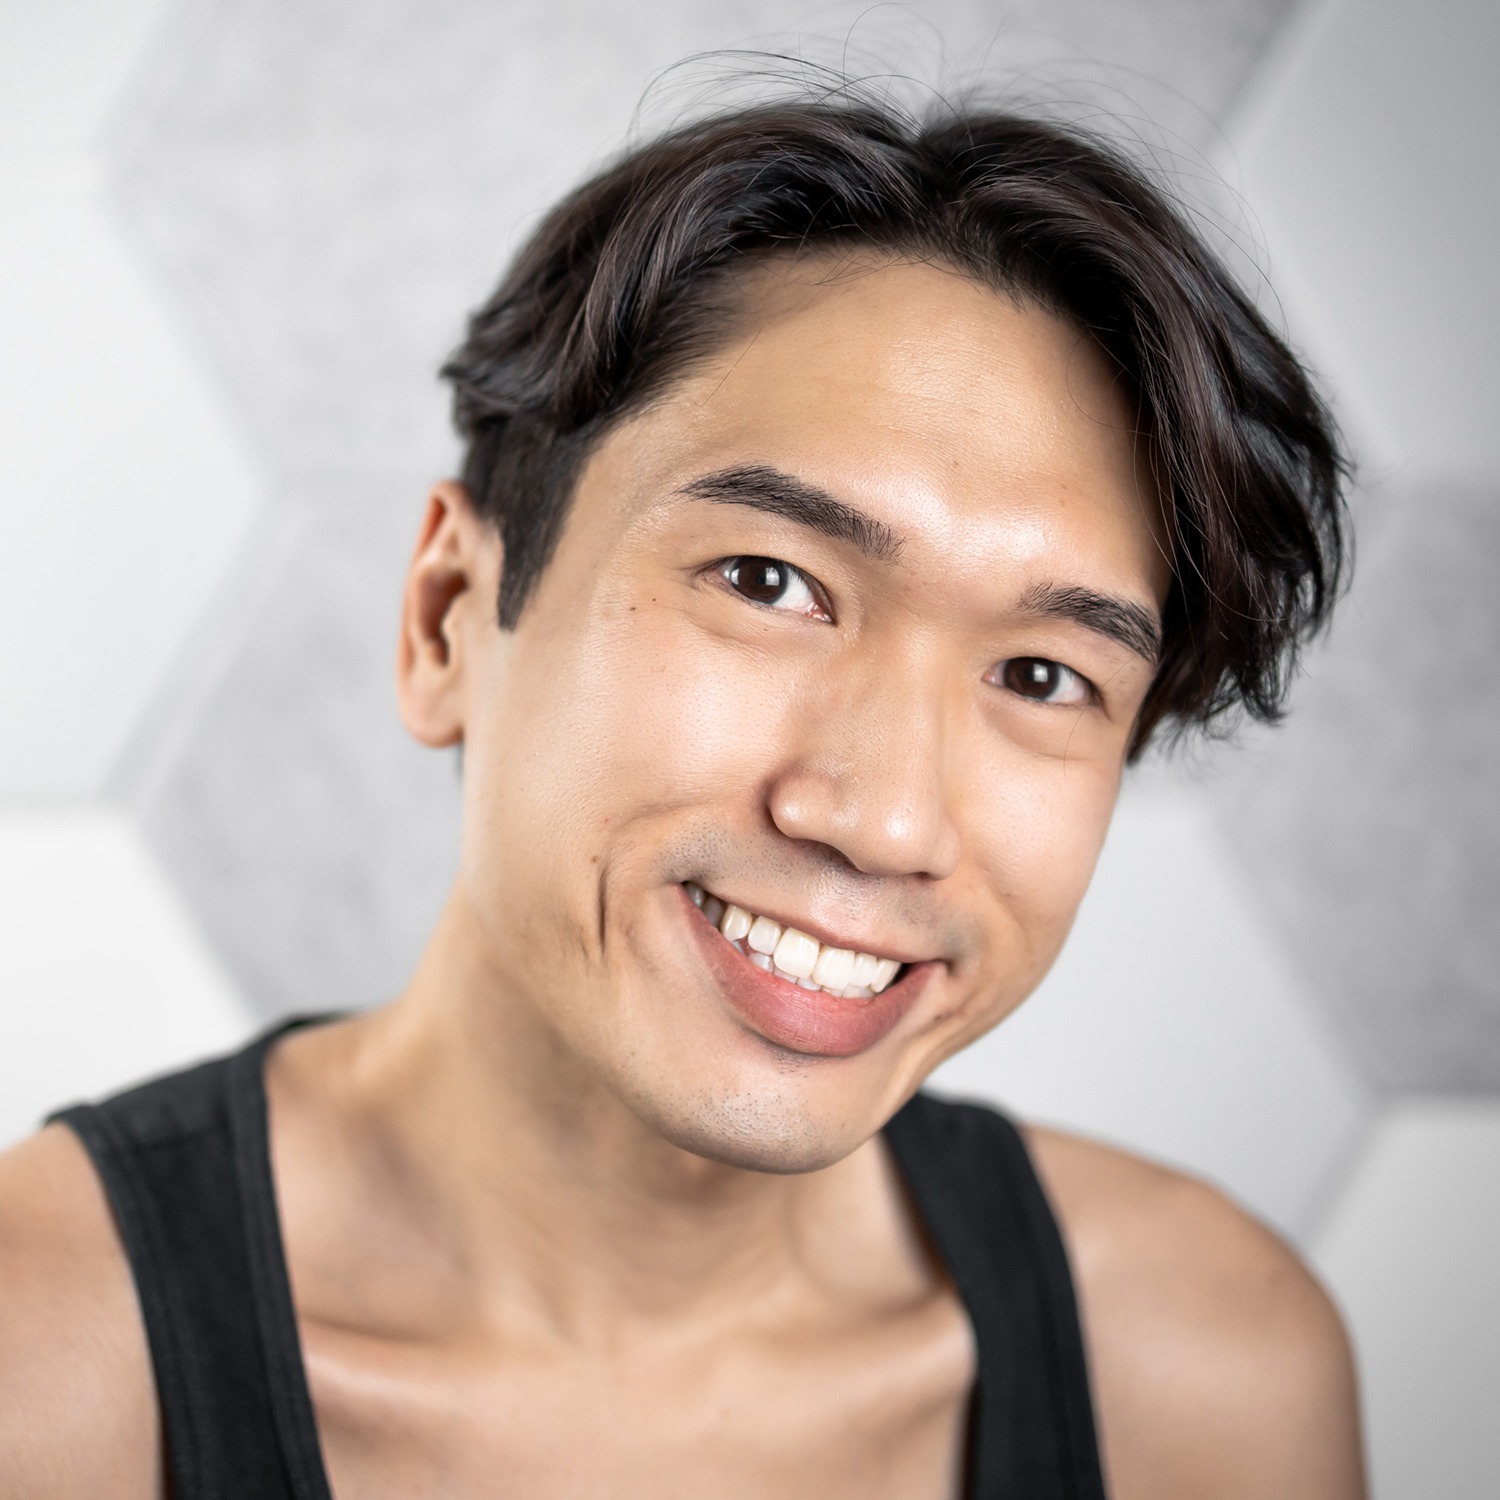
[462, 1111]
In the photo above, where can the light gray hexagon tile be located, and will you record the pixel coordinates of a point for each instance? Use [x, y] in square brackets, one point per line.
[328, 187]
[308, 835]
[124, 492]
[1370, 824]
[1175, 1024]
[1409, 1250]
[104, 979]
[1367, 151]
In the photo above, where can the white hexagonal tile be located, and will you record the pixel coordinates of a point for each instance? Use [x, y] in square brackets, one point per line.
[102, 978]
[1173, 1024]
[63, 65]
[1368, 155]
[1411, 1250]
[123, 492]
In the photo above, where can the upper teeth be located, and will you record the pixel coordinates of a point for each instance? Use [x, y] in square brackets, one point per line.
[794, 955]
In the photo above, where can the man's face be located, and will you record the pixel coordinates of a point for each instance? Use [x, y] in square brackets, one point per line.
[848, 630]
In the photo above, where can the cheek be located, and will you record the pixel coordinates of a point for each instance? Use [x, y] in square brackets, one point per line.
[690, 721]
[1038, 839]
[631, 720]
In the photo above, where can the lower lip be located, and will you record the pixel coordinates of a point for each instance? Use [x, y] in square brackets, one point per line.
[812, 1022]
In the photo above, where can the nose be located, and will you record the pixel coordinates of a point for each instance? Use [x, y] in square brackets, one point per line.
[869, 778]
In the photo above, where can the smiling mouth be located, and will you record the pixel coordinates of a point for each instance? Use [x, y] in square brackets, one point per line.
[795, 956]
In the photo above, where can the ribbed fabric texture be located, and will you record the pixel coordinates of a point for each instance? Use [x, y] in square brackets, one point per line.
[185, 1162]
[1031, 1429]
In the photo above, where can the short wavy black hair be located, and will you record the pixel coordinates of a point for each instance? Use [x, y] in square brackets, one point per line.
[625, 283]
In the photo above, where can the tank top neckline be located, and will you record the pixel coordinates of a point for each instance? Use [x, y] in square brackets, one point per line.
[295, 1413]
[186, 1163]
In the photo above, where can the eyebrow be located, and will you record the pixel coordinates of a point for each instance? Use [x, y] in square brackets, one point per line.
[780, 494]
[1121, 620]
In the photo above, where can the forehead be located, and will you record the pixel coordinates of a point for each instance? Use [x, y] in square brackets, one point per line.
[968, 420]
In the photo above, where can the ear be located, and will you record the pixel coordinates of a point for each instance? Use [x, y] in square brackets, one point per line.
[452, 586]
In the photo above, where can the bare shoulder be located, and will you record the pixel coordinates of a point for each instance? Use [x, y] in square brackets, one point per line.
[77, 1405]
[1220, 1365]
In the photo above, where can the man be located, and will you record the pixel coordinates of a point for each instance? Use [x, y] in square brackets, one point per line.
[846, 501]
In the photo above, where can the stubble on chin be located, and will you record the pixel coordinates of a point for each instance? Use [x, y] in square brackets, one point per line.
[766, 1129]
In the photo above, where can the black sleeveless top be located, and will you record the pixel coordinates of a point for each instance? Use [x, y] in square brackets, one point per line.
[185, 1162]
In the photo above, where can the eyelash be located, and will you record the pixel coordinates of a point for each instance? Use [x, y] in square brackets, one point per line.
[791, 576]
[998, 673]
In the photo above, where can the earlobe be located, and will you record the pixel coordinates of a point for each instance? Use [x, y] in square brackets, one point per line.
[453, 570]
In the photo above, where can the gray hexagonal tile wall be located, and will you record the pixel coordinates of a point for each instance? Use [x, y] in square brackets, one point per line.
[1371, 820]
[312, 839]
[1370, 826]
[328, 186]
[321, 188]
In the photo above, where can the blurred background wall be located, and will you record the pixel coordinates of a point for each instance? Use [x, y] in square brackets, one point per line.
[236, 239]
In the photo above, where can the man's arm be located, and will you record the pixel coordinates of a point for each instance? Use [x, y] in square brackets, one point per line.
[78, 1413]
[1221, 1370]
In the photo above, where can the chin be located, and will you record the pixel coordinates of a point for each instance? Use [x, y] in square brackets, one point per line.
[761, 1130]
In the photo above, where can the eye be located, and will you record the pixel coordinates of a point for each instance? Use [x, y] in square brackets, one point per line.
[1042, 681]
[773, 584]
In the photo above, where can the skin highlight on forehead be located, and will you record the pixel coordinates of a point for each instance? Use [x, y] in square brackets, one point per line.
[959, 377]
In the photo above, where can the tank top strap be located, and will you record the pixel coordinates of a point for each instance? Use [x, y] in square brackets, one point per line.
[1031, 1431]
[185, 1165]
